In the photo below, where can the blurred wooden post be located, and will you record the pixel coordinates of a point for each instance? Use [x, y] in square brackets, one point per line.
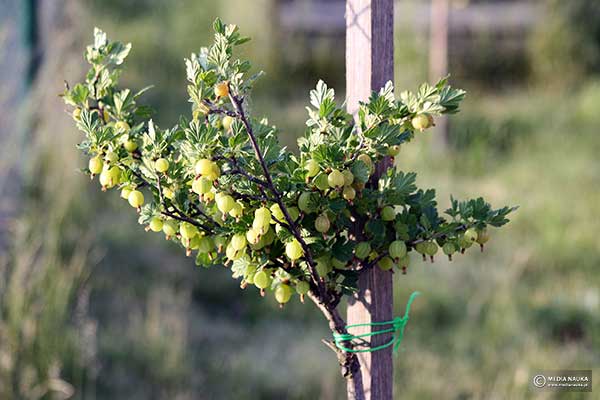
[369, 65]
[438, 60]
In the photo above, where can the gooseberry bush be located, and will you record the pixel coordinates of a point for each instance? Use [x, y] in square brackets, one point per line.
[303, 224]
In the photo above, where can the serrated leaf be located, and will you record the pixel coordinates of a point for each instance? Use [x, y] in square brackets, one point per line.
[360, 170]
[342, 250]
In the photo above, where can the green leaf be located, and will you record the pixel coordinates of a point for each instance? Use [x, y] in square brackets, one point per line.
[219, 26]
[376, 228]
[342, 250]
[360, 170]
[99, 38]
[450, 99]
[117, 52]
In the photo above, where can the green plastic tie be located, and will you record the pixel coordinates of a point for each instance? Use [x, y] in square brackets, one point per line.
[398, 325]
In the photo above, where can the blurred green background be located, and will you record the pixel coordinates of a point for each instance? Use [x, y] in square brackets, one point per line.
[92, 307]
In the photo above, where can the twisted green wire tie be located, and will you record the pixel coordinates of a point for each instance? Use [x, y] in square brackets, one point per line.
[398, 325]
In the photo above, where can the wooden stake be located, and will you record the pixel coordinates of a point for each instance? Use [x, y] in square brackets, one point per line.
[438, 62]
[369, 65]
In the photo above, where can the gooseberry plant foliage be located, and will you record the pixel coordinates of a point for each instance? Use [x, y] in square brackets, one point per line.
[220, 184]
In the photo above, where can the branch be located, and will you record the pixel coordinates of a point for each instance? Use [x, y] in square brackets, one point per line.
[348, 361]
[411, 243]
[293, 228]
[178, 214]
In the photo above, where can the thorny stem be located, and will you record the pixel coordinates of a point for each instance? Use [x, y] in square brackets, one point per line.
[325, 301]
[350, 366]
[237, 104]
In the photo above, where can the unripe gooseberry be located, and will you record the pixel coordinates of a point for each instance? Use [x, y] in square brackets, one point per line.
[205, 244]
[262, 219]
[227, 122]
[250, 271]
[323, 267]
[125, 192]
[161, 165]
[201, 185]
[294, 213]
[237, 210]
[203, 166]
[222, 89]
[421, 247]
[304, 202]
[385, 264]
[302, 287]
[283, 293]
[276, 213]
[122, 126]
[431, 248]
[233, 254]
[349, 193]
[362, 250]
[249, 279]
[109, 177]
[470, 235]
[335, 179]
[421, 122]
[225, 203]
[208, 169]
[394, 150]
[348, 177]
[238, 241]
[322, 182]
[397, 249]
[130, 145]
[135, 198]
[268, 237]
[464, 243]
[322, 223]
[156, 224]
[191, 244]
[187, 230]
[448, 248]
[388, 213]
[111, 157]
[262, 280]
[95, 165]
[253, 236]
[483, 236]
[293, 250]
[169, 227]
[404, 261]
[312, 168]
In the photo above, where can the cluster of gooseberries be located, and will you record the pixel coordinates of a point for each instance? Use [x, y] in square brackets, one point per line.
[220, 184]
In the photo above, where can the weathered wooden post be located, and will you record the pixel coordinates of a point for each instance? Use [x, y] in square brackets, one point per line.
[438, 60]
[369, 65]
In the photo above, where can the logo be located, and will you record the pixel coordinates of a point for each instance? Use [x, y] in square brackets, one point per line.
[562, 381]
[539, 381]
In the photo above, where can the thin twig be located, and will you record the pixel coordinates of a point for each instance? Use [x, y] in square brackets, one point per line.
[177, 214]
